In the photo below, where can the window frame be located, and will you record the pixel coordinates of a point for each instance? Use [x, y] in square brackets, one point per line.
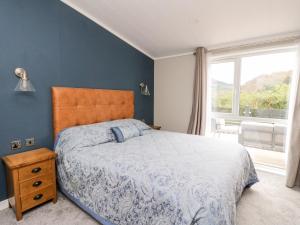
[237, 60]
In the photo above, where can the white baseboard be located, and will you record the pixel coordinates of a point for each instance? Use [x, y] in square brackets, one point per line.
[3, 204]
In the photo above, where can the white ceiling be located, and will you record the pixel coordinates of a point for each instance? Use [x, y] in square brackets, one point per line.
[168, 27]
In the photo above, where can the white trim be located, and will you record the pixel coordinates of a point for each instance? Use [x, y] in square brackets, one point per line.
[3, 204]
[274, 41]
[254, 52]
[237, 86]
[172, 56]
[268, 39]
[106, 27]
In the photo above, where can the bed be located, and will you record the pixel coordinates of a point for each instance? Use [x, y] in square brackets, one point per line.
[155, 178]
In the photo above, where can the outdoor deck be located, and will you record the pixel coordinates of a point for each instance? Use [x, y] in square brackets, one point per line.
[259, 156]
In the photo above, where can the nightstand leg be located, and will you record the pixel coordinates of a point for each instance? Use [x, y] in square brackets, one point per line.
[54, 182]
[19, 216]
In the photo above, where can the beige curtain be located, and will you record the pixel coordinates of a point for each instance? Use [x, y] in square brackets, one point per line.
[198, 115]
[293, 162]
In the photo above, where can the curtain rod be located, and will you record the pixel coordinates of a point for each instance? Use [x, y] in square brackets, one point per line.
[266, 43]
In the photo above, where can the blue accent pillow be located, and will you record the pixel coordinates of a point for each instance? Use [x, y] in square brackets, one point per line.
[118, 134]
[124, 133]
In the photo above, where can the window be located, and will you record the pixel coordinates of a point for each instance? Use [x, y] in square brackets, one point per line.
[222, 81]
[265, 85]
[256, 85]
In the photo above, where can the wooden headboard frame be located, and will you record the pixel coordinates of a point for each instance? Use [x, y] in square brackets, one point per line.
[80, 106]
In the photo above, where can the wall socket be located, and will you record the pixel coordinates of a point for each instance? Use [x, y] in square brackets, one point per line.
[16, 144]
[29, 141]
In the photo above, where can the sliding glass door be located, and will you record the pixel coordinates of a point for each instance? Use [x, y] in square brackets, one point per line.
[249, 95]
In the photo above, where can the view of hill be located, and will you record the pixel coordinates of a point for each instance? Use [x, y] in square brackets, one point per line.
[219, 85]
[264, 96]
[268, 80]
[257, 84]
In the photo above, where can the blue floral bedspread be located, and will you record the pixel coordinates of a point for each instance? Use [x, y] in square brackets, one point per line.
[160, 178]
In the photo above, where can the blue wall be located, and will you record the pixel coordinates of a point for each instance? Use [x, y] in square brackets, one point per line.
[58, 47]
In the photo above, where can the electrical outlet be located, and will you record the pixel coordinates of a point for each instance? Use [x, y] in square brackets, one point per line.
[16, 144]
[29, 141]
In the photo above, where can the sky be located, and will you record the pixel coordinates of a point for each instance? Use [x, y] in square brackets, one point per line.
[254, 66]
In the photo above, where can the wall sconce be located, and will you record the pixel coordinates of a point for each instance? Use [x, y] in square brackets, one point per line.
[24, 83]
[144, 89]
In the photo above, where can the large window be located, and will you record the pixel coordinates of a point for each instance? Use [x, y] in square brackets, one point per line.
[256, 85]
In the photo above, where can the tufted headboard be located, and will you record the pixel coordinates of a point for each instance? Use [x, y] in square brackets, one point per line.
[80, 106]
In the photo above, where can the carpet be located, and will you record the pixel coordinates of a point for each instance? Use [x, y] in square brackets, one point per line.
[267, 203]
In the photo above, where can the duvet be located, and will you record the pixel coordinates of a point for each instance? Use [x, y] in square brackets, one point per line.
[159, 178]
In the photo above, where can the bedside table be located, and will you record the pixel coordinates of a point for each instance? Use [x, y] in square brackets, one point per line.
[155, 127]
[31, 179]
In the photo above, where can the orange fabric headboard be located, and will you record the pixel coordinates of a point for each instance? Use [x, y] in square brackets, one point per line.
[80, 106]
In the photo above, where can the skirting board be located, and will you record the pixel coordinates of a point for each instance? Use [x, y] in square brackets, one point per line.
[3, 204]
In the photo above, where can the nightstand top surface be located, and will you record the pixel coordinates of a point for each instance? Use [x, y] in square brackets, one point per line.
[28, 158]
[155, 127]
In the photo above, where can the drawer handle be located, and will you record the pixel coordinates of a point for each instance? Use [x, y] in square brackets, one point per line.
[36, 170]
[38, 197]
[37, 183]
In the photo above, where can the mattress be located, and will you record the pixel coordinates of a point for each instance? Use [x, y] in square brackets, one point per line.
[157, 178]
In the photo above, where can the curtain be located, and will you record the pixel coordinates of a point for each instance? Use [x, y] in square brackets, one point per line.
[198, 115]
[293, 162]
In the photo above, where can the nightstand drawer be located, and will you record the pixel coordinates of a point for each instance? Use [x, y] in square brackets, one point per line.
[37, 197]
[34, 170]
[35, 184]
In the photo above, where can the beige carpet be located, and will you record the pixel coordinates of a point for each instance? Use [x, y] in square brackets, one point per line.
[267, 158]
[266, 203]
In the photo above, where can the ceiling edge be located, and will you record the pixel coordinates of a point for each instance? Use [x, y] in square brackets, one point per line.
[100, 23]
[280, 36]
[175, 55]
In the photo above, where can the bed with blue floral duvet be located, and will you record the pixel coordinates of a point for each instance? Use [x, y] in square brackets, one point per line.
[151, 177]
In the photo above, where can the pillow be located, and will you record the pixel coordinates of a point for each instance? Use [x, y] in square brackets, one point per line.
[98, 133]
[124, 133]
[127, 122]
[84, 136]
[140, 124]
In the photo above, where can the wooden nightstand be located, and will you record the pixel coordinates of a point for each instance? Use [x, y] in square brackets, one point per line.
[155, 127]
[31, 179]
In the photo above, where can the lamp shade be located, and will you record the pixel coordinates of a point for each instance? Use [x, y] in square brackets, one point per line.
[24, 85]
[144, 89]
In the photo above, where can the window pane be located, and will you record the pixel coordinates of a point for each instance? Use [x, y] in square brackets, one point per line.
[265, 85]
[222, 79]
